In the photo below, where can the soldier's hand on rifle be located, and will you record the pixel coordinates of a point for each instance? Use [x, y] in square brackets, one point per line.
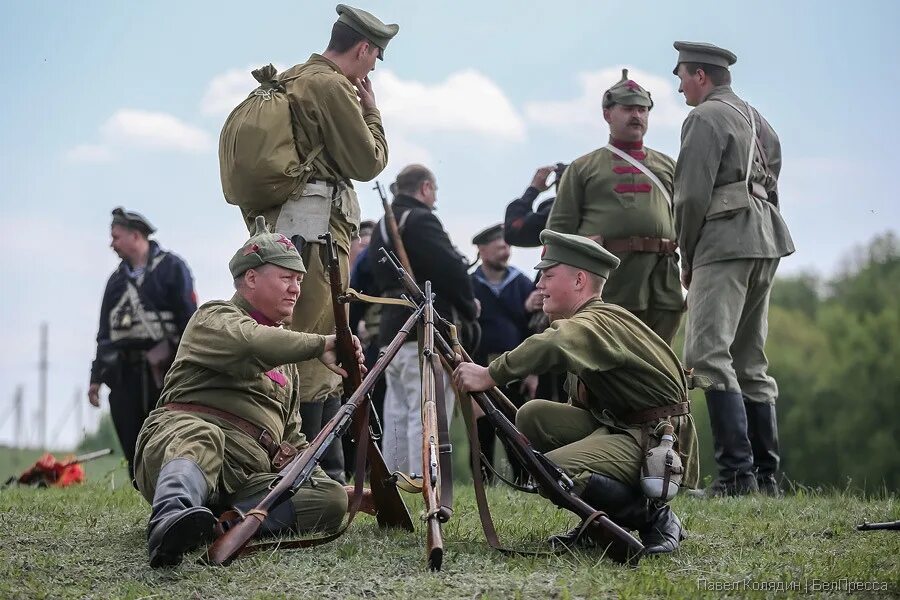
[365, 93]
[329, 356]
[94, 394]
[469, 377]
[539, 181]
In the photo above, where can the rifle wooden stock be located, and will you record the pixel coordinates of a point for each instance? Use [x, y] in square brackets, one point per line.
[393, 231]
[233, 542]
[390, 509]
[430, 439]
[553, 483]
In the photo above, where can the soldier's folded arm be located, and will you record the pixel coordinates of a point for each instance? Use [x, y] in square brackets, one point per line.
[354, 138]
[564, 346]
[565, 216]
[695, 177]
[229, 341]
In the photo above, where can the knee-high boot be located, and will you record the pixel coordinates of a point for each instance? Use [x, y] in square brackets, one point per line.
[733, 452]
[179, 521]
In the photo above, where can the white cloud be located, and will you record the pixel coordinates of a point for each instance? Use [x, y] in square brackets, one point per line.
[90, 153]
[158, 130]
[132, 128]
[227, 90]
[465, 102]
[584, 113]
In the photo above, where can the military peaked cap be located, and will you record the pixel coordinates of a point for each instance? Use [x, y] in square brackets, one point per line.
[701, 52]
[627, 93]
[265, 247]
[132, 220]
[488, 235]
[368, 25]
[576, 251]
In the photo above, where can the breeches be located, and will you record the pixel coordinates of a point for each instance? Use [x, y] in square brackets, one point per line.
[573, 439]
[236, 468]
[728, 321]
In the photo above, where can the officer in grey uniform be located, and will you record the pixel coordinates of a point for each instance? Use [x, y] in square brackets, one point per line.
[731, 236]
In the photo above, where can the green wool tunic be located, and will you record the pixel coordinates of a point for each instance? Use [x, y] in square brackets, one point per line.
[624, 366]
[603, 195]
[229, 361]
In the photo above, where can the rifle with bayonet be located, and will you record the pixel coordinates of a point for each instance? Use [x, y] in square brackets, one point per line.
[390, 510]
[240, 529]
[551, 481]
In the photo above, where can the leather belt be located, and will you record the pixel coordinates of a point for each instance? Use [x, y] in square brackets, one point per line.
[279, 453]
[641, 244]
[656, 413]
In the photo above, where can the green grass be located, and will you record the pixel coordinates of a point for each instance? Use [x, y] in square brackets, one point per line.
[90, 541]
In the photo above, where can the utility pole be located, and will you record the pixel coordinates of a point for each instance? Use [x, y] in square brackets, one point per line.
[20, 414]
[42, 385]
[79, 415]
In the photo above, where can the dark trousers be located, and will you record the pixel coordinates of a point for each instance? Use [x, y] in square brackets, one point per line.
[487, 437]
[131, 398]
[377, 397]
[313, 416]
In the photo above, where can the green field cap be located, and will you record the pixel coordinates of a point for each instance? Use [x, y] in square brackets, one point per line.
[265, 247]
[576, 251]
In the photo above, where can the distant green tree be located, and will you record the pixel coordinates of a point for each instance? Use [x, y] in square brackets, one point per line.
[838, 373]
[104, 437]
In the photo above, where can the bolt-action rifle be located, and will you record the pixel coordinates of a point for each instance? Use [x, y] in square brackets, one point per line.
[435, 513]
[390, 510]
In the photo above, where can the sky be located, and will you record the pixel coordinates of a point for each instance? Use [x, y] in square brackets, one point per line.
[121, 103]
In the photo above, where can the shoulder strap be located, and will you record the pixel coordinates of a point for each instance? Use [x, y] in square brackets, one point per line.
[643, 169]
[755, 143]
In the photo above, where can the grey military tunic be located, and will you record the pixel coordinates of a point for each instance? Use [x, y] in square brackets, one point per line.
[731, 236]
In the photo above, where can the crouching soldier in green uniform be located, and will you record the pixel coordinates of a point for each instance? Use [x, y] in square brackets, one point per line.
[227, 418]
[624, 384]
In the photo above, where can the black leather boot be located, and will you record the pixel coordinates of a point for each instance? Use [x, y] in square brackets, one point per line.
[762, 429]
[662, 532]
[733, 452]
[625, 505]
[179, 521]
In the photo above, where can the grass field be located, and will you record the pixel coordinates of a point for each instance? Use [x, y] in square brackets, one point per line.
[89, 541]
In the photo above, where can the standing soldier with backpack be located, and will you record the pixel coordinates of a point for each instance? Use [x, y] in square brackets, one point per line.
[323, 130]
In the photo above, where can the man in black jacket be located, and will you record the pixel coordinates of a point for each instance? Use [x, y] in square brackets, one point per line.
[522, 224]
[433, 258]
[147, 303]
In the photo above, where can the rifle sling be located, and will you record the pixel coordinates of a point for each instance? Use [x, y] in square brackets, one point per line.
[484, 510]
[445, 448]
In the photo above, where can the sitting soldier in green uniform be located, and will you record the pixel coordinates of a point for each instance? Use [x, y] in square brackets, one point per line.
[624, 385]
[227, 418]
